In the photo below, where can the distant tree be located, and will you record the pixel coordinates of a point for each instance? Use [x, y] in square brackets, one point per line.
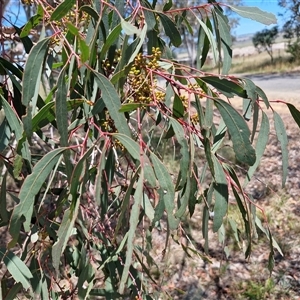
[264, 40]
[291, 28]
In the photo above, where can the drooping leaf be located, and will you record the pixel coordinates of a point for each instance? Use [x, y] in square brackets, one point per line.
[112, 102]
[166, 188]
[183, 200]
[33, 68]
[4, 134]
[262, 94]
[149, 16]
[31, 82]
[29, 190]
[84, 50]
[229, 88]
[16, 126]
[140, 40]
[250, 88]
[283, 139]
[184, 151]
[133, 222]
[261, 144]
[178, 108]
[3, 207]
[221, 195]
[131, 146]
[225, 38]
[255, 14]
[16, 267]
[210, 36]
[170, 30]
[202, 46]
[208, 194]
[110, 40]
[239, 132]
[33, 21]
[61, 112]
[294, 112]
[168, 5]
[63, 234]
[62, 9]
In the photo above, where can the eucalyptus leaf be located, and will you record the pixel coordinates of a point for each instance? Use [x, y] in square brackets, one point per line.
[254, 13]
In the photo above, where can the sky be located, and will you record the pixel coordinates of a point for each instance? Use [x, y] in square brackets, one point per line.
[249, 26]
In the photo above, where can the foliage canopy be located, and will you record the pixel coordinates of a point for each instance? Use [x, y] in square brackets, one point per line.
[87, 128]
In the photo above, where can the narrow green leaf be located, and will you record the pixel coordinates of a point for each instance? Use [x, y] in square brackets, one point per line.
[61, 113]
[113, 103]
[178, 108]
[262, 94]
[225, 86]
[129, 107]
[150, 19]
[110, 40]
[16, 267]
[166, 189]
[63, 234]
[193, 191]
[219, 136]
[89, 10]
[294, 112]
[85, 280]
[141, 41]
[212, 42]
[283, 139]
[184, 151]
[3, 210]
[208, 194]
[29, 190]
[184, 199]
[239, 132]
[255, 14]
[147, 206]
[31, 82]
[61, 110]
[250, 88]
[62, 9]
[221, 195]
[267, 233]
[170, 30]
[225, 39]
[134, 150]
[13, 291]
[16, 127]
[73, 29]
[247, 109]
[168, 5]
[33, 68]
[202, 45]
[133, 221]
[132, 147]
[33, 21]
[261, 144]
[4, 134]
[12, 119]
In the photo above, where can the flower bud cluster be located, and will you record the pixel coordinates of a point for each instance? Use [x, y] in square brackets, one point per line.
[143, 87]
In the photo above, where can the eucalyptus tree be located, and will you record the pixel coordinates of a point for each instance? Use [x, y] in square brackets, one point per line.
[88, 180]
